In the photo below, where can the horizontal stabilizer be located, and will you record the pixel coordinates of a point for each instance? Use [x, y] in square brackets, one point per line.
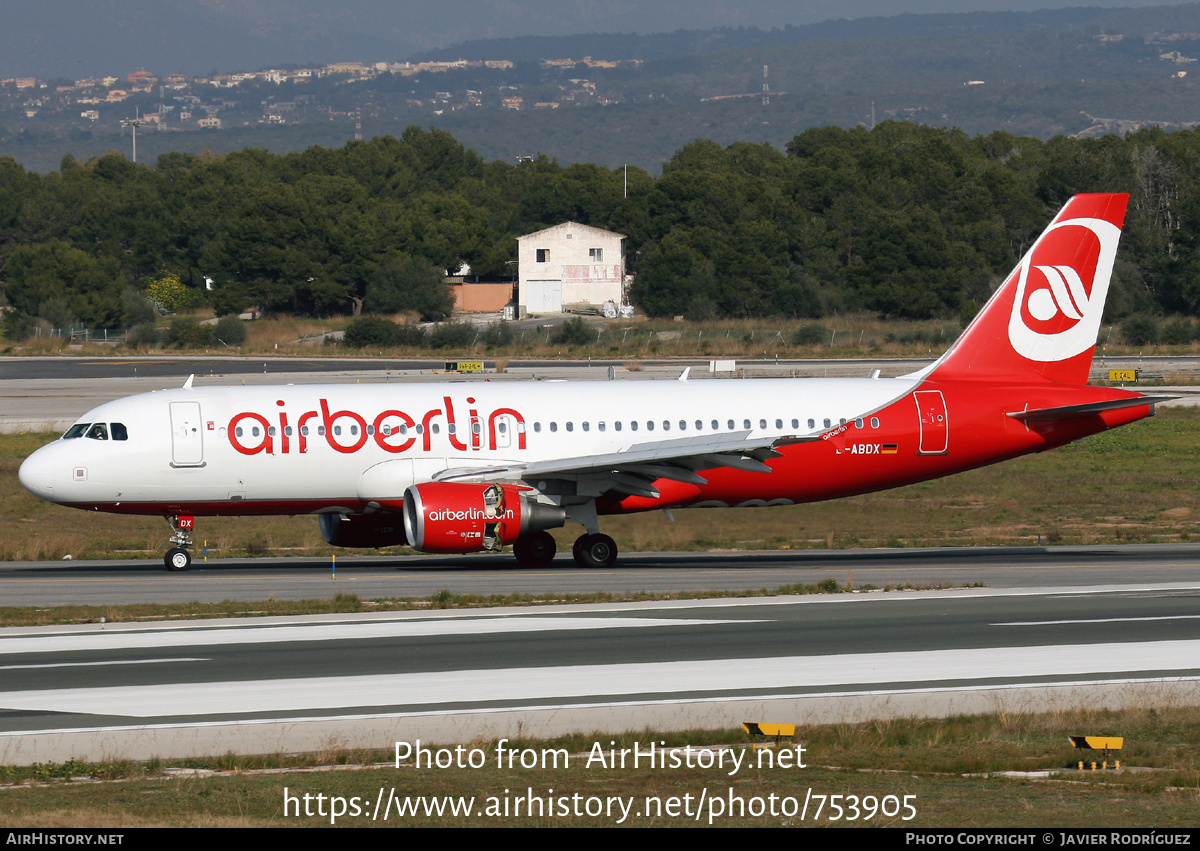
[1066, 412]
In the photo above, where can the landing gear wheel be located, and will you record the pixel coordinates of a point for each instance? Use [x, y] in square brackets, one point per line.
[595, 551]
[536, 550]
[178, 559]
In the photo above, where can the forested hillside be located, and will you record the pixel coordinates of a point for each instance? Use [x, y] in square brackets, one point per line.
[903, 220]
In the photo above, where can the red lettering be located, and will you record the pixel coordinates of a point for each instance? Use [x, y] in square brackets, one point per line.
[429, 415]
[452, 428]
[382, 439]
[283, 428]
[301, 427]
[476, 425]
[520, 427]
[329, 419]
[267, 444]
[393, 441]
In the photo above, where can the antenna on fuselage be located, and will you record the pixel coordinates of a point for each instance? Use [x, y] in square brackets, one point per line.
[187, 385]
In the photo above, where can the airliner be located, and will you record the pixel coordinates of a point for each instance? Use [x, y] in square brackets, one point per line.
[475, 467]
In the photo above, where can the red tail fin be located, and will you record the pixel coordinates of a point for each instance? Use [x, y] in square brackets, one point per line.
[1043, 321]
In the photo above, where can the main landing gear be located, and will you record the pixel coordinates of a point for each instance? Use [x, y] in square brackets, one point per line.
[536, 550]
[178, 558]
[594, 550]
[590, 550]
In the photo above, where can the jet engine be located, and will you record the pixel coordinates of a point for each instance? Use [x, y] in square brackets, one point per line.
[452, 517]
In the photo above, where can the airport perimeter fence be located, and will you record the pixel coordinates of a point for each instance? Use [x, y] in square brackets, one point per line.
[80, 334]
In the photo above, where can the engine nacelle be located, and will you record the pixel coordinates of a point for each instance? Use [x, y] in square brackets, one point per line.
[453, 517]
[363, 530]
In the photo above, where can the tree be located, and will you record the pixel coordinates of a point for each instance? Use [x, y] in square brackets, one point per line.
[169, 294]
[403, 283]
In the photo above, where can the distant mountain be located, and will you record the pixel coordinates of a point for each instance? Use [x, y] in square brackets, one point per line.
[78, 38]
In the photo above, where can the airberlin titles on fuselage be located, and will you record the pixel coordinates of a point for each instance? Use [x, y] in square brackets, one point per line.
[392, 430]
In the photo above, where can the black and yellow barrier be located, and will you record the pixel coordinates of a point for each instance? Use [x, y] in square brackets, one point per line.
[1098, 743]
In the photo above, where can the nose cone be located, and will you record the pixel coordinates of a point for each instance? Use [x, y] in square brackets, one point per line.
[37, 473]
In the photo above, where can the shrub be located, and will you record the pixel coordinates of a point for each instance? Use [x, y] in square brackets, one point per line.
[231, 330]
[186, 333]
[145, 334]
[452, 335]
[370, 331]
[573, 332]
[1178, 331]
[811, 334]
[1141, 329]
[497, 334]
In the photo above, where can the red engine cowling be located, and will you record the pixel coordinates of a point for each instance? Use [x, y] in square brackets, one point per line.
[452, 517]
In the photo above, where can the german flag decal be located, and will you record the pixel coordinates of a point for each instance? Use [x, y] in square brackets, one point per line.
[889, 449]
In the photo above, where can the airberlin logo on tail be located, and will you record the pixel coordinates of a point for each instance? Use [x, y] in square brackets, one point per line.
[1061, 287]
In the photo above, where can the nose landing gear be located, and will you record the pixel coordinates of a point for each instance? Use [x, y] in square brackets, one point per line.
[178, 558]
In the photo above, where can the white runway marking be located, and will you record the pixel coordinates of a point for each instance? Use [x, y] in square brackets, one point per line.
[538, 684]
[1101, 620]
[98, 664]
[328, 632]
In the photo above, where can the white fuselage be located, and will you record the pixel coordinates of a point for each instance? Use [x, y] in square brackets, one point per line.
[331, 447]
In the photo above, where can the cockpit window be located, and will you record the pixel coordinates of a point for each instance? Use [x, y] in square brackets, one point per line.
[98, 432]
[76, 430]
[119, 432]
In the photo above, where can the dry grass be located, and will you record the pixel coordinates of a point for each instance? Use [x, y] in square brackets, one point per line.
[949, 765]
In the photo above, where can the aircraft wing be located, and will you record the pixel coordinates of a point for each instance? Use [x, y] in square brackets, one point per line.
[633, 471]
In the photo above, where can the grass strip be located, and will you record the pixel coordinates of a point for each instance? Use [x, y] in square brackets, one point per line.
[954, 767]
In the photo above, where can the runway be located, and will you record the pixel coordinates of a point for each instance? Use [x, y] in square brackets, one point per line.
[134, 690]
[48, 394]
[1055, 626]
[145, 581]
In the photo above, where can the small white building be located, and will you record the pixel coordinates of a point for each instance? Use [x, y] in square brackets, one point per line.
[569, 264]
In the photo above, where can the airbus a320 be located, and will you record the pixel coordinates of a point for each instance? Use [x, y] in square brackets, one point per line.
[463, 468]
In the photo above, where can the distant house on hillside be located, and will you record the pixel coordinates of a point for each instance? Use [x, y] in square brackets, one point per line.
[569, 265]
